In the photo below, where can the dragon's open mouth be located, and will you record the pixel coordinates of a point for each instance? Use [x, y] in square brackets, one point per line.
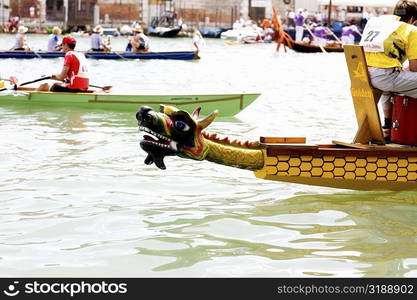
[157, 139]
[157, 146]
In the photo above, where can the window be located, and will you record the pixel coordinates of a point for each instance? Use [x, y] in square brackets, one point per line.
[355, 9]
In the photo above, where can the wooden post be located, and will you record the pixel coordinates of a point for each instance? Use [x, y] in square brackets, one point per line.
[365, 97]
[329, 17]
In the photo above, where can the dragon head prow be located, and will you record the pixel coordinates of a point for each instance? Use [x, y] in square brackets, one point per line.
[174, 132]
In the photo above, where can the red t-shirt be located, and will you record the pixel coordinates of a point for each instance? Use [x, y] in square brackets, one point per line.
[77, 72]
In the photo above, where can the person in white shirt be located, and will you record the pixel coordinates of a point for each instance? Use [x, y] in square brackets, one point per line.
[198, 40]
[53, 39]
[97, 42]
[20, 39]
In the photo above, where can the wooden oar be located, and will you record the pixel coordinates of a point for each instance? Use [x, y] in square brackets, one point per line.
[28, 82]
[309, 30]
[335, 36]
[104, 88]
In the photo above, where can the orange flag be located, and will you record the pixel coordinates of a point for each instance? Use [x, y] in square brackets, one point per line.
[281, 37]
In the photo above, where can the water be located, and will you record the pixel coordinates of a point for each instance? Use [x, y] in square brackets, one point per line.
[77, 199]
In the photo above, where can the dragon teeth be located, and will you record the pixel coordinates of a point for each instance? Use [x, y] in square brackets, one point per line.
[160, 136]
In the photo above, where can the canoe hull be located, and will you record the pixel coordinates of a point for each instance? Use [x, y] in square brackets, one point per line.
[304, 48]
[357, 169]
[177, 55]
[227, 105]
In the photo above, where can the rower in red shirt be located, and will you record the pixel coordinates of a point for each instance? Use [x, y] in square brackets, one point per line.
[74, 73]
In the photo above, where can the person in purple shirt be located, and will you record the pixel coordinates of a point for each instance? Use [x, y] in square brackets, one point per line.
[348, 34]
[299, 25]
[320, 34]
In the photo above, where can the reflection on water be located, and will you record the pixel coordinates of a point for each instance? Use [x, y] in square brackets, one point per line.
[77, 199]
[366, 234]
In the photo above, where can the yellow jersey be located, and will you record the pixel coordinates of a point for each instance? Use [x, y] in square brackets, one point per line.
[398, 47]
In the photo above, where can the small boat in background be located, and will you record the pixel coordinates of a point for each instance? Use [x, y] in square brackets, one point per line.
[213, 33]
[240, 34]
[178, 55]
[164, 31]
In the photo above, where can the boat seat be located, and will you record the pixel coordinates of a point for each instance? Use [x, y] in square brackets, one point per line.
[365, 98]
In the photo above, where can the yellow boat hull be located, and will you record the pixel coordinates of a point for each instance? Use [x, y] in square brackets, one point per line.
[358, 169]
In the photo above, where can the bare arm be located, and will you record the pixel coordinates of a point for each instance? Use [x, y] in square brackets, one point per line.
[413, 65]
[62, 75]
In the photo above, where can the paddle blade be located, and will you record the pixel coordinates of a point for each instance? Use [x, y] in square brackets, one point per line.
[107, 88]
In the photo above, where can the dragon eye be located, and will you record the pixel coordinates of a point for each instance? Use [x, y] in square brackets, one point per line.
[182, 126]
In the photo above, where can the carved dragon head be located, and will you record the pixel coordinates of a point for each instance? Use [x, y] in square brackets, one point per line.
[172, 132]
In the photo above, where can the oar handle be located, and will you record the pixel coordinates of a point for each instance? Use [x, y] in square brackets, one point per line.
[36, 80]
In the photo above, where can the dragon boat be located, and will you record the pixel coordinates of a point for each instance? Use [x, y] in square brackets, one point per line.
[367, 163]
[178, 55]
[229, 104]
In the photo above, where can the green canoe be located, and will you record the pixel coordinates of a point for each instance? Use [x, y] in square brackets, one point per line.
[226, 104]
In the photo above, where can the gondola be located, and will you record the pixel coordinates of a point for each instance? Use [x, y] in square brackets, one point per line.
[308, 48]
[164, 31]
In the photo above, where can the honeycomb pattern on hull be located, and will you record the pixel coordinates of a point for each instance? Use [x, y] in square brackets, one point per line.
[399, 169]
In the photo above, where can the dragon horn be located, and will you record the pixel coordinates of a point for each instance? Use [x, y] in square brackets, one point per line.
[203, 123]
[196, 113]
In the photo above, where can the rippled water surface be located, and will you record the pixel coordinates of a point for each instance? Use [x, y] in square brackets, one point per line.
[77, 199]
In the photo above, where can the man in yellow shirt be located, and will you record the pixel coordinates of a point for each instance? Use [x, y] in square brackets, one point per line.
[388, 41]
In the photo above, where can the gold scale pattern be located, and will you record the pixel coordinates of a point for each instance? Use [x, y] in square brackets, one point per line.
[401, 169]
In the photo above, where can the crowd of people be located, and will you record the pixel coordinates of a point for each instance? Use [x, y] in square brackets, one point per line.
[74, 76]
[138, 41]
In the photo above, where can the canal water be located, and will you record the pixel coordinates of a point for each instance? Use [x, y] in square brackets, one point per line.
[77, 199]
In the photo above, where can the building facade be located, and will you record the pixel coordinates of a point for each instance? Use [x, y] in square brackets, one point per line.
[113, 13]
[4, 11]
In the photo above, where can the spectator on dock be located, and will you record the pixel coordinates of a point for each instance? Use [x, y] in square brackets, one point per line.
[290, 18]
[53, 39]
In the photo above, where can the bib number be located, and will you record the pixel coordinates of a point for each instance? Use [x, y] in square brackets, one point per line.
[371, 36]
